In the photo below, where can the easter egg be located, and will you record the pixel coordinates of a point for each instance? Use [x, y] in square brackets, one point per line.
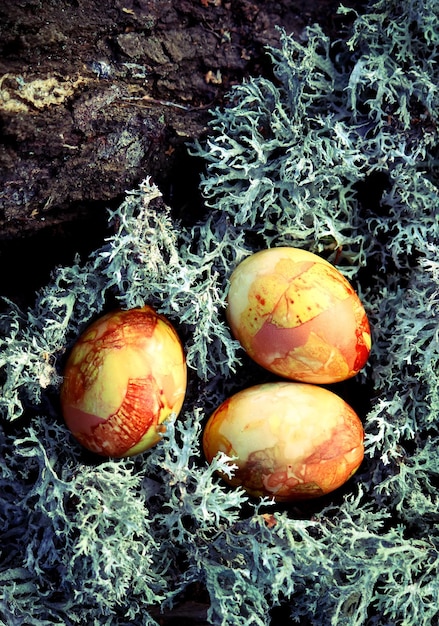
[124, 377]
[291, 441]
[296, 315]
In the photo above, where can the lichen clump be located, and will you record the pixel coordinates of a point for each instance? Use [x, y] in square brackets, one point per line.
[337, 154]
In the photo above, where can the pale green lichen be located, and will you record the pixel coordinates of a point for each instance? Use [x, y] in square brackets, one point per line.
[289, 161]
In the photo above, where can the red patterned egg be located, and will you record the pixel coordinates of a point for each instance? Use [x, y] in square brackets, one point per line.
[124, 377]
[296, 315]
[290, 441]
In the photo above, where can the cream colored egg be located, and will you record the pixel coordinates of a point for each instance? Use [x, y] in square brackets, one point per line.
[291, 440]
[124, 377]
[296, 315]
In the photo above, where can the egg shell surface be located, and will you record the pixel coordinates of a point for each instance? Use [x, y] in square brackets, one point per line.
[292, 441]
[125, 375]
[296, 315]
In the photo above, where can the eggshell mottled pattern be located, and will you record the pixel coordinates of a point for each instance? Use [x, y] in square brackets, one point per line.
[125, 375]
[296, 315]
[292, 440]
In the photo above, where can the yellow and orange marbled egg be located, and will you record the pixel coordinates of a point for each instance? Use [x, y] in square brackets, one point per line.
[296, 315]
[125, 375]
[291, 441]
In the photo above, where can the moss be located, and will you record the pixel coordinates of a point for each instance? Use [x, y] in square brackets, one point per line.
[287, 162]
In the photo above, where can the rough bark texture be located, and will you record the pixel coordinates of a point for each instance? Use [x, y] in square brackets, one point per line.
[94, 96]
